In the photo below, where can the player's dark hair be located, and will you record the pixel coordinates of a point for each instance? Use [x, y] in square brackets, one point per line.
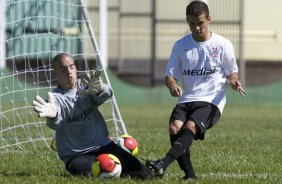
[197, 8]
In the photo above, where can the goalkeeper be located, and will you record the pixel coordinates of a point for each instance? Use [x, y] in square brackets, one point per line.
[81, 131]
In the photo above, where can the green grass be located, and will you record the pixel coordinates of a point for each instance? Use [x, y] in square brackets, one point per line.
[245, 146]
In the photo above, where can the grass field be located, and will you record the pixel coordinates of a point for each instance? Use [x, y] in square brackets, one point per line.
[244, 147]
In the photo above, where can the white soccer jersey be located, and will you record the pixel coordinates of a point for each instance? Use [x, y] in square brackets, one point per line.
[203, 68]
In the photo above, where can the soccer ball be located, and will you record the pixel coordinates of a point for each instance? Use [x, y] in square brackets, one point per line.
[106, 166]
[128, 143]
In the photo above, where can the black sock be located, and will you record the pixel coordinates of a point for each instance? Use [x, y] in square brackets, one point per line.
[173, 138]
[179, 147]
[187, 165]
[184, 160]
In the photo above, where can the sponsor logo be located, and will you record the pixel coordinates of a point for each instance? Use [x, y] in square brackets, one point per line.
[202, 123]
[81, 116]
[203, 71]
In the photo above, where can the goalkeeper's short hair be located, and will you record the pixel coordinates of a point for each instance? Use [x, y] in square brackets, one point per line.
[58, 57]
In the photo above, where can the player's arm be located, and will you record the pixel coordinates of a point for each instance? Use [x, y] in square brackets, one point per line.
[171, 84]
[235, 83]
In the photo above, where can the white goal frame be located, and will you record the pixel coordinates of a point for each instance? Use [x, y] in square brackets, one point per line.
[95, 46]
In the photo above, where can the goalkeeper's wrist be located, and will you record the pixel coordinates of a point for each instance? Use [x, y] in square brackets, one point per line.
[52, 119]
[99, 93]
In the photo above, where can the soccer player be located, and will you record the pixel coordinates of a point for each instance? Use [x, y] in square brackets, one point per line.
[81, 131]
[205, 63]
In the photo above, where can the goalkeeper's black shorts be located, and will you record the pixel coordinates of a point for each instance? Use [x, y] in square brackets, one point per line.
[82, 164]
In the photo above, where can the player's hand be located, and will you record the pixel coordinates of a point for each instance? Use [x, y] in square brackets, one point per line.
[175, 90]
[44, 109]
[236, 85]
[93, 82]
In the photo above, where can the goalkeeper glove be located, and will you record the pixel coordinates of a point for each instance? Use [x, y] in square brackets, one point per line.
[45, 110]
[93, 82]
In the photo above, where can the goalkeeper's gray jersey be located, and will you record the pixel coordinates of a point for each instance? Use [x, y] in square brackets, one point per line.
[80, 127]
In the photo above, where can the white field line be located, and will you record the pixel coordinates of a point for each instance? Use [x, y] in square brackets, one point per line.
[240, 175]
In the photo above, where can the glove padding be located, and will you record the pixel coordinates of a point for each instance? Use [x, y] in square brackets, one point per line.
[44, 109]
[93, 82]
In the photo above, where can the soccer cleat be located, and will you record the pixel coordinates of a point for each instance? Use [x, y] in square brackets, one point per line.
[147, 173]
[156, 167]
[144, 173]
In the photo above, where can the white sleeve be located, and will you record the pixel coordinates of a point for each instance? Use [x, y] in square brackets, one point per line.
[173, 67]
[229, 60]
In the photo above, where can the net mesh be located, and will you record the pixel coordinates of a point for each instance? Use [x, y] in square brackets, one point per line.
[35, 31]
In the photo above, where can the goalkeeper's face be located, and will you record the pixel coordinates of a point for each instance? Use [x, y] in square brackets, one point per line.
[65, 71]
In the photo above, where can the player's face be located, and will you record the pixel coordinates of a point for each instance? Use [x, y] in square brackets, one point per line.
[65, 71]
[199, 27]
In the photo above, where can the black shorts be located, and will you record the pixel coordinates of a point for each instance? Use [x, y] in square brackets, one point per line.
[82, 164]
[204, 114]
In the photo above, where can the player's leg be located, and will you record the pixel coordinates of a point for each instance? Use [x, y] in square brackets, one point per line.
[194, 128]
[204, 118]
[131, 166]
[201, 116]
[175, 125]
[81, 165]
[179, 147]
[178, 117]
[184, 160]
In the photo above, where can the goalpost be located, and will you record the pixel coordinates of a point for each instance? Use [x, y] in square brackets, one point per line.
[37, 30]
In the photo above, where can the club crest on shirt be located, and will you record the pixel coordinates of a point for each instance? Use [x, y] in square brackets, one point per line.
[216, 51]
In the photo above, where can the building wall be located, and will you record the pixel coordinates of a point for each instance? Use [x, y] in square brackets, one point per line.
[129, 29]
[263, 30]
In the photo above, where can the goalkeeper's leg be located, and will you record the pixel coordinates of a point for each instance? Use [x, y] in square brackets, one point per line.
[131, 166]
[81, 165]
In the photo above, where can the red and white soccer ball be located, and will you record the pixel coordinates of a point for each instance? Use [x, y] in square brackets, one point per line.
[128, 143]
[106, 166]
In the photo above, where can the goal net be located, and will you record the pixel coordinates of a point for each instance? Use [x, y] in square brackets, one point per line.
[36, 31]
